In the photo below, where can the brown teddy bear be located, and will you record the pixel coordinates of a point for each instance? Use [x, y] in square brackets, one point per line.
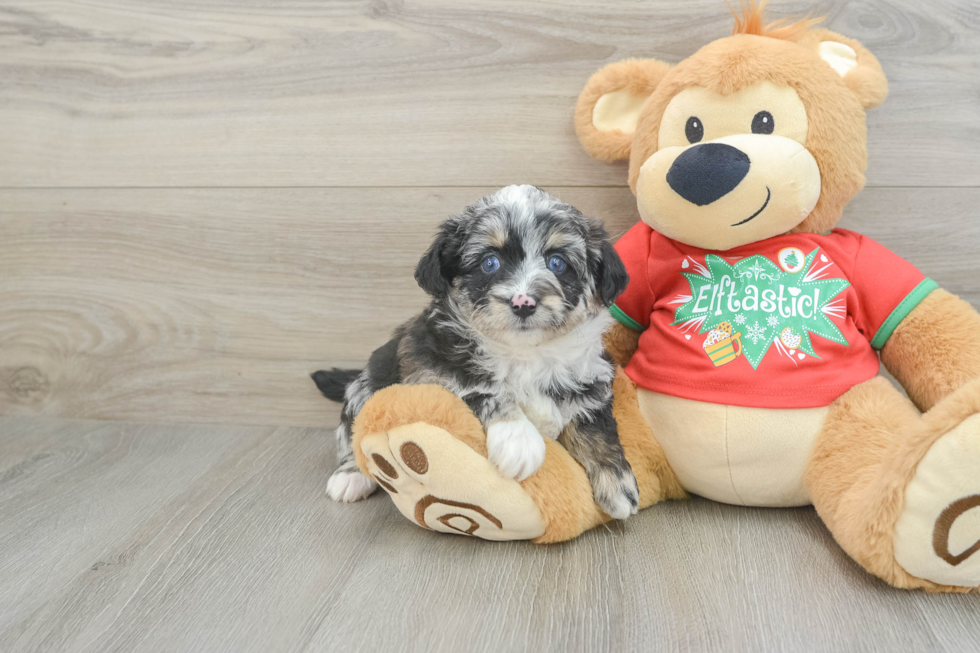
[751, 329]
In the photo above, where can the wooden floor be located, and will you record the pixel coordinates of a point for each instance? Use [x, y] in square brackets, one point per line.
[202, 202]
[138, 537]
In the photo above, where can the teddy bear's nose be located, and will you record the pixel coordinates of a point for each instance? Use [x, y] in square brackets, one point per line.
[705, 173]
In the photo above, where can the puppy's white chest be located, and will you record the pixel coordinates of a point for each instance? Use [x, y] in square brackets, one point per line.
[545, 415]
[526, 382]
[526, 378]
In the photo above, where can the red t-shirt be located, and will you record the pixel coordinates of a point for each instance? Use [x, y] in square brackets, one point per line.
[738, 327]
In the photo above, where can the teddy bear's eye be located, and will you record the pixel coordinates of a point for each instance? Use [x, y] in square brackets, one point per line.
[763, 123]
[694, 130]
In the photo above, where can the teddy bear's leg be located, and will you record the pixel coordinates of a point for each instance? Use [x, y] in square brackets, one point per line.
[654, 476]
[428, 451]
[900, 491]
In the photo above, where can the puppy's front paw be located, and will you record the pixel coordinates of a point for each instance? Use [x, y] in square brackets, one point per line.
[615, 491]
[349, 485]
[515, 447]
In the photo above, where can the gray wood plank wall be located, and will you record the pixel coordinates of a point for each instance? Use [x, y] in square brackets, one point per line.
[201, 202]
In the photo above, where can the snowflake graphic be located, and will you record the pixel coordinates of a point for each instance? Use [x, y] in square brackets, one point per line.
[756, 272]
[756, 269]
[740, 319]
[756, 333]
[772, 320]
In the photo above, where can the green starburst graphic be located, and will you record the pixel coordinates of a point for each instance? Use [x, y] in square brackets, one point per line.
[765, 304]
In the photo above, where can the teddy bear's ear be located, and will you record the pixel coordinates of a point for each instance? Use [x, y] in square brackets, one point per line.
[860, 69]
[608, 108]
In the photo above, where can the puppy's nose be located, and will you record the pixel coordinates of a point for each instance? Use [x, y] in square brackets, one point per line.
[523, 305]
[707, 172]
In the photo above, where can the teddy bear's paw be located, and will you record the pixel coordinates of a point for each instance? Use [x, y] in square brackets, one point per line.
[443, 485]
[937, 536]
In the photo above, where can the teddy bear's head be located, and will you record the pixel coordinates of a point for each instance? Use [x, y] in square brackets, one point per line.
[755, 135]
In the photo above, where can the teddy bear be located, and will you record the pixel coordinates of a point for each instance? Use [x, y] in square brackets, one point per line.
[751, 332]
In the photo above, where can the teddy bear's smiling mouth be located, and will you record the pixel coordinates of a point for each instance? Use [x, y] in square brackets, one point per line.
[761, 209]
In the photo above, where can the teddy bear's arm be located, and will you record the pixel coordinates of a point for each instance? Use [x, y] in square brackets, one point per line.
[935, 349]
[621, 341]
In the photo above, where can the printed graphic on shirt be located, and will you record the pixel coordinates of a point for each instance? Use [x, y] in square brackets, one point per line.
[754, 304]
[721, 346]
[791, 259]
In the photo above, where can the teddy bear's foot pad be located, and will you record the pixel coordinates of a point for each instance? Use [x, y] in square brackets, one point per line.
[937, 536]
[442, 484]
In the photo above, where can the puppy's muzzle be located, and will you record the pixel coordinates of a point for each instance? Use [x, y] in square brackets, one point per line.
[523, 306]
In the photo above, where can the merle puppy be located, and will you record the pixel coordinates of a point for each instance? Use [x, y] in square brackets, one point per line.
[520, 283]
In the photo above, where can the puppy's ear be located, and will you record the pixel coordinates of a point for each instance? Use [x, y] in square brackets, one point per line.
[437, 268]
[612, 277]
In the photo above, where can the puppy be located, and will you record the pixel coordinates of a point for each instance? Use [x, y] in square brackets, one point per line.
[520, 283]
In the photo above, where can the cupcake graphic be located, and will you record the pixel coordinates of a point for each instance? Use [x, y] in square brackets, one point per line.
[720, 344]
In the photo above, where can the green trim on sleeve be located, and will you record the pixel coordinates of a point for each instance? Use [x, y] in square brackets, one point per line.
[901, 312]
[625, 319]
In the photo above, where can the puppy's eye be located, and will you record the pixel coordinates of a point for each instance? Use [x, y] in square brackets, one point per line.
[557, 264]
[694, 130]
[763, 123]
[490, 264]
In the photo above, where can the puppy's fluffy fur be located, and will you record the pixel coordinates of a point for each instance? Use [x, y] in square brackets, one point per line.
[519, 284]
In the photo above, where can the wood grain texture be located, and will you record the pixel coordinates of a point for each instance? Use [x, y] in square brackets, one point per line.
[214, 305]
[433, 93]
[129, 537]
